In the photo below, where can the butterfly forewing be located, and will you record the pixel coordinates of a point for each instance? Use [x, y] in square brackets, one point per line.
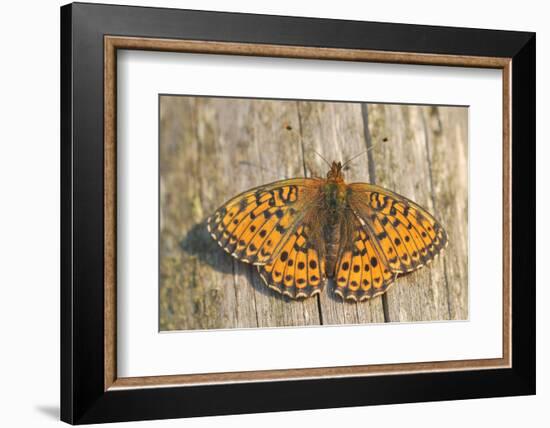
[405, 234]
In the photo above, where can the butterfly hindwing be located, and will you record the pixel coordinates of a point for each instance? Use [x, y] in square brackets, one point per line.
[406, 234]
[362, 271]
[297, 271]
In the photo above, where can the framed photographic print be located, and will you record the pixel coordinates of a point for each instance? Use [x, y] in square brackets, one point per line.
[265, 213]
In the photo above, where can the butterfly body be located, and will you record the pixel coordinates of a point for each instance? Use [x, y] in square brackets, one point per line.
[334, 194]
[299, 232]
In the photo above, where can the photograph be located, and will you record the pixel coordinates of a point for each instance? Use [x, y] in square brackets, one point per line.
[293, 213]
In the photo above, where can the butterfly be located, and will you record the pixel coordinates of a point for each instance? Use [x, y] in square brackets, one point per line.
[301, 231]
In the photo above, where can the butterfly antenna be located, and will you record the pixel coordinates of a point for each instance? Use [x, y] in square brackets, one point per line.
[321, 156]
[363, 152]
[355, 157]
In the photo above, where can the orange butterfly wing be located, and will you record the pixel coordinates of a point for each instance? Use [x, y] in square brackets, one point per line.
[269, 226]
[361, 271]
[407, 234]
[297, 270]
[391, 235]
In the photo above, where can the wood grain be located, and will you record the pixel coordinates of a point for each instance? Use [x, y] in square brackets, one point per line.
[213, 148]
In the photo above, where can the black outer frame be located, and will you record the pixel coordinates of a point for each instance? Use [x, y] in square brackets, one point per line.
[83, 399]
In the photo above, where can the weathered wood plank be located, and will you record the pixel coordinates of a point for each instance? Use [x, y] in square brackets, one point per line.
[274, 148]
[190, 296]
[404, 163]
[213, 148]
[448, 147]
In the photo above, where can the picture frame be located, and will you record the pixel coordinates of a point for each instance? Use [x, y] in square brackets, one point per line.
[91, 390]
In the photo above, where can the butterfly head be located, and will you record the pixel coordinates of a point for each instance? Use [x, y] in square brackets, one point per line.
[335, 172]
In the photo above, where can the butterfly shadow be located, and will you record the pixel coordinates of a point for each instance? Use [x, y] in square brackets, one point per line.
[198, 243]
